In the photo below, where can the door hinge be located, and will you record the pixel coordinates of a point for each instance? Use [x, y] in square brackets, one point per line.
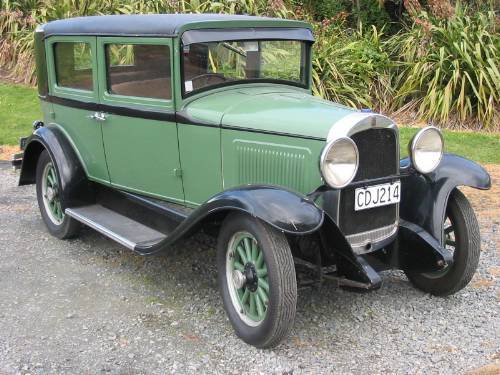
[177, 172]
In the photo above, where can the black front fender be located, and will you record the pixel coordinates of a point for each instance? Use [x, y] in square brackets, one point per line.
[285, 210]
[75, 188]
[424, 198]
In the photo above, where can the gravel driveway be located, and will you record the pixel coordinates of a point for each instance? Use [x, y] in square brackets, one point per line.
[89, 306]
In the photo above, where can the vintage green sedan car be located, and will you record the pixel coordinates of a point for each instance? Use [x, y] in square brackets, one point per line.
[156, 126]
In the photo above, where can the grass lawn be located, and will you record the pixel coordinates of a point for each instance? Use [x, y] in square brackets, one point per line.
[19, 107]
[480, 147]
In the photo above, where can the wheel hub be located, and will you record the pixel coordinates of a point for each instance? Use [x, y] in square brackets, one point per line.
[251, 276]
[51, 194]
[246, 278]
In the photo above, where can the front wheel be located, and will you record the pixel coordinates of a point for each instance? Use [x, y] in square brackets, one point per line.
[461, 237]
[256, 279]
[48, 193]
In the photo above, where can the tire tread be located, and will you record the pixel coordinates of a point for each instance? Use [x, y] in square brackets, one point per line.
[473, 238]
[286, 310]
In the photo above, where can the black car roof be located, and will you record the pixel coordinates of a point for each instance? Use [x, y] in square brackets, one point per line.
[159, 24]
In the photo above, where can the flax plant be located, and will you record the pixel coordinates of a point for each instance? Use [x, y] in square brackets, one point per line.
[450, 69]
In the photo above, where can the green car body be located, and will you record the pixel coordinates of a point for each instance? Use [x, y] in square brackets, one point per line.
[257, 117]
[258, 158]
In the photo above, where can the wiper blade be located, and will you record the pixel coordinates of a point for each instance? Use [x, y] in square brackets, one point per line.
[238, 50]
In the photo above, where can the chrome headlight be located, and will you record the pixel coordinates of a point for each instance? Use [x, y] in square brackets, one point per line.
[339, 162]
[426, 149]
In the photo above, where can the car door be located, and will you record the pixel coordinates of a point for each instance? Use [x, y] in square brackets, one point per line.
[138, 117]
[74, 95]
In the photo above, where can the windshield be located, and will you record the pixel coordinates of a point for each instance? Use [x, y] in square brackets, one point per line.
[219, 63]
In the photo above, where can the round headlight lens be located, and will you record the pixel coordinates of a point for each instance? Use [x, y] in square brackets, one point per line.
[427, 149]
[339, 162]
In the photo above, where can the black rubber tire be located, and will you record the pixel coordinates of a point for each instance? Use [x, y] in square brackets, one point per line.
[282, 281]
[466, 255]
[69, 227]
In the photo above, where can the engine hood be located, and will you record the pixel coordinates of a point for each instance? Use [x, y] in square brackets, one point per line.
[268, 109]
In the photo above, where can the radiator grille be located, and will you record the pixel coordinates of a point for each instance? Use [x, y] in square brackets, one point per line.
[378, 153]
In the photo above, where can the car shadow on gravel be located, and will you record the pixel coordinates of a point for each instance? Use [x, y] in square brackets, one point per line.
[184, 278]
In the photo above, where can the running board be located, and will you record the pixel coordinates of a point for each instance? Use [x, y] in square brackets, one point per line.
[119, 228]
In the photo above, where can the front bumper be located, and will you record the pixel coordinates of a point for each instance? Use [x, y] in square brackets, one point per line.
[373, 240]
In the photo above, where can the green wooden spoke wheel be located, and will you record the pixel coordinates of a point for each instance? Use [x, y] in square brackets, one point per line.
[50, 191]
[247, 278]
[257, 279]
[50, 199]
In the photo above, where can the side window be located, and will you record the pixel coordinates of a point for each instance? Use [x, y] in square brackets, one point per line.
[140, 70]
[73, 62]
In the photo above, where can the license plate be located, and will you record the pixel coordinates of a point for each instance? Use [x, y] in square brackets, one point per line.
[376, 196]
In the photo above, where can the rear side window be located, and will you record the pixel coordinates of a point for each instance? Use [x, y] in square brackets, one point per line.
[73, 62]
[140, 70]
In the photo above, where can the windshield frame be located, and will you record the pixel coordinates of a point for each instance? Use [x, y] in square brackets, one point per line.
[306, 85]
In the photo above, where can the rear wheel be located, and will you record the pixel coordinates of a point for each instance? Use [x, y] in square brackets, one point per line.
[461, 237]
[257, 280]
[48, 192]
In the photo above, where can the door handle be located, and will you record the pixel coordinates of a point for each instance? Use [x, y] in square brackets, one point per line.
[98, 116]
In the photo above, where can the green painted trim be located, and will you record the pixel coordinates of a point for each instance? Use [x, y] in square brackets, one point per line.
[100, 181]
[192, 204]
[54, 89]
[148, 194]
[113, 99]
[176, 78]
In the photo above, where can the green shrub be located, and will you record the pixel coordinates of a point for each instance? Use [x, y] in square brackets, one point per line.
[366, 12]
[450, 67]
[321, 9]
[352, 68]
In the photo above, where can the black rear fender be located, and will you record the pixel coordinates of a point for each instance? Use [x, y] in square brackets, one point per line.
[75, 188]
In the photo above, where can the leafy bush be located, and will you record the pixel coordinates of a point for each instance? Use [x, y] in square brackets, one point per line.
[353, 69]
[366, 12]
[449, 67]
